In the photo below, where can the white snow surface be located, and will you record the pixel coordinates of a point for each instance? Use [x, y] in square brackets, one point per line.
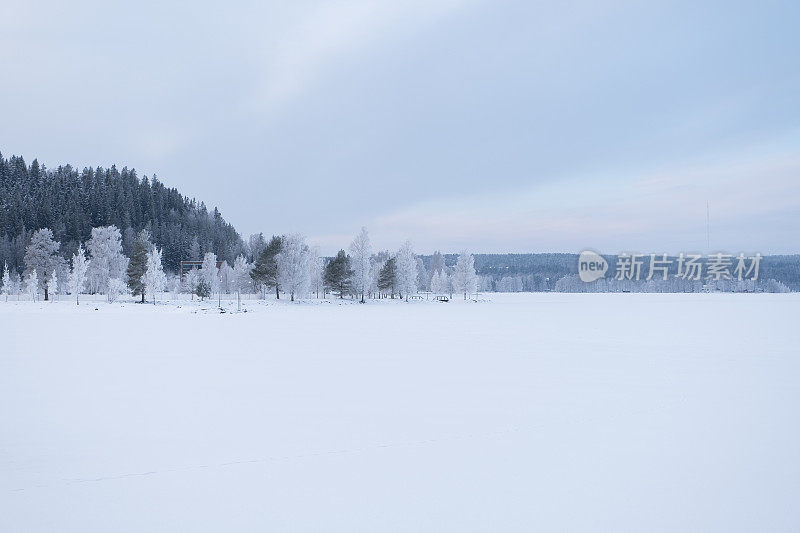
[523, 412]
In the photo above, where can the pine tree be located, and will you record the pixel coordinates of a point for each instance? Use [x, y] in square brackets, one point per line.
[388, 276]
[265, 270]
[137, 266]
[338, 274]
[203, 289]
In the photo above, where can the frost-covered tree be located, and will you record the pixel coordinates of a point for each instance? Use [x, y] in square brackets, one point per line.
[338, 274]
[422, 275]
[138, 262]
[41, 256]
[77, 277]
[225, 277]
[174, 286]
[406, 270]
[438, 282]
[377, 261]
[293, 266]
[209, 272]
[387, 278]
[194, 249]
[316, 272]
[360, 255]
[154, 278]
[437, 263]
[16, 284]
[265, 269]
[464, 278]
[107, 261]
[32, 285]
[241, 278]
[203, 290]
[255, 245]
[116, 288]
[190, 282]
[6, 289]
[52, 285]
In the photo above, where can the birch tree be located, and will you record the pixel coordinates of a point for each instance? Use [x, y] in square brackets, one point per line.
[107, 261]
[316, 272]
[464, 278]
[52, 285]
[209, 273]
[360, 255]
[32, 285]
[292, 264]
[154, 278]
[241, 278]
[77, 278]
[406, 270]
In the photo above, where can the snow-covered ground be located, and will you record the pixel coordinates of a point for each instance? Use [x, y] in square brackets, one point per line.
[526, 412]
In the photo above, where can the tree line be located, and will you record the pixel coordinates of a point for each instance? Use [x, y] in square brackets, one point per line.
[286, 265]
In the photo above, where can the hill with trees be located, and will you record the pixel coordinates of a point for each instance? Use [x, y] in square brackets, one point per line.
[72, 202]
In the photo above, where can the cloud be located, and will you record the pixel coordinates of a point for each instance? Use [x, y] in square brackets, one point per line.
[307, 47]
[662, 210]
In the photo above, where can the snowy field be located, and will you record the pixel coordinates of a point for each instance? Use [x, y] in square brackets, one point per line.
[526, 412]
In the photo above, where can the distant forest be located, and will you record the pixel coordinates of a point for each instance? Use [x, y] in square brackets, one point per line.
[72, 202]
[541, 272]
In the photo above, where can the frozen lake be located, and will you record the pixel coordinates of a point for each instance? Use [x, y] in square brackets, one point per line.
[568, 412]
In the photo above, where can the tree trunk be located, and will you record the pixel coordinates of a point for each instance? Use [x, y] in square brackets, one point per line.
[45, 293]
[277, 292]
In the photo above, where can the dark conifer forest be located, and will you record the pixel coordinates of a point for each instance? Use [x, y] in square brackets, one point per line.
[71, 202]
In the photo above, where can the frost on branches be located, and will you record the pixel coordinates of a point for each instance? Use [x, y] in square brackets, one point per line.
[154, 278]
[77, 278]
[107, 260]
[5, 290]
[41, 256]
[360, 262]
[32, 285]
[292, 261]
[52, 285]
[464, 278]
[241, 278]
[209, 273]
[406, 270]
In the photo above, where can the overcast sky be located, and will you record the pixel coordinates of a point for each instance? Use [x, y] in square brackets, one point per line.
[494, 125]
